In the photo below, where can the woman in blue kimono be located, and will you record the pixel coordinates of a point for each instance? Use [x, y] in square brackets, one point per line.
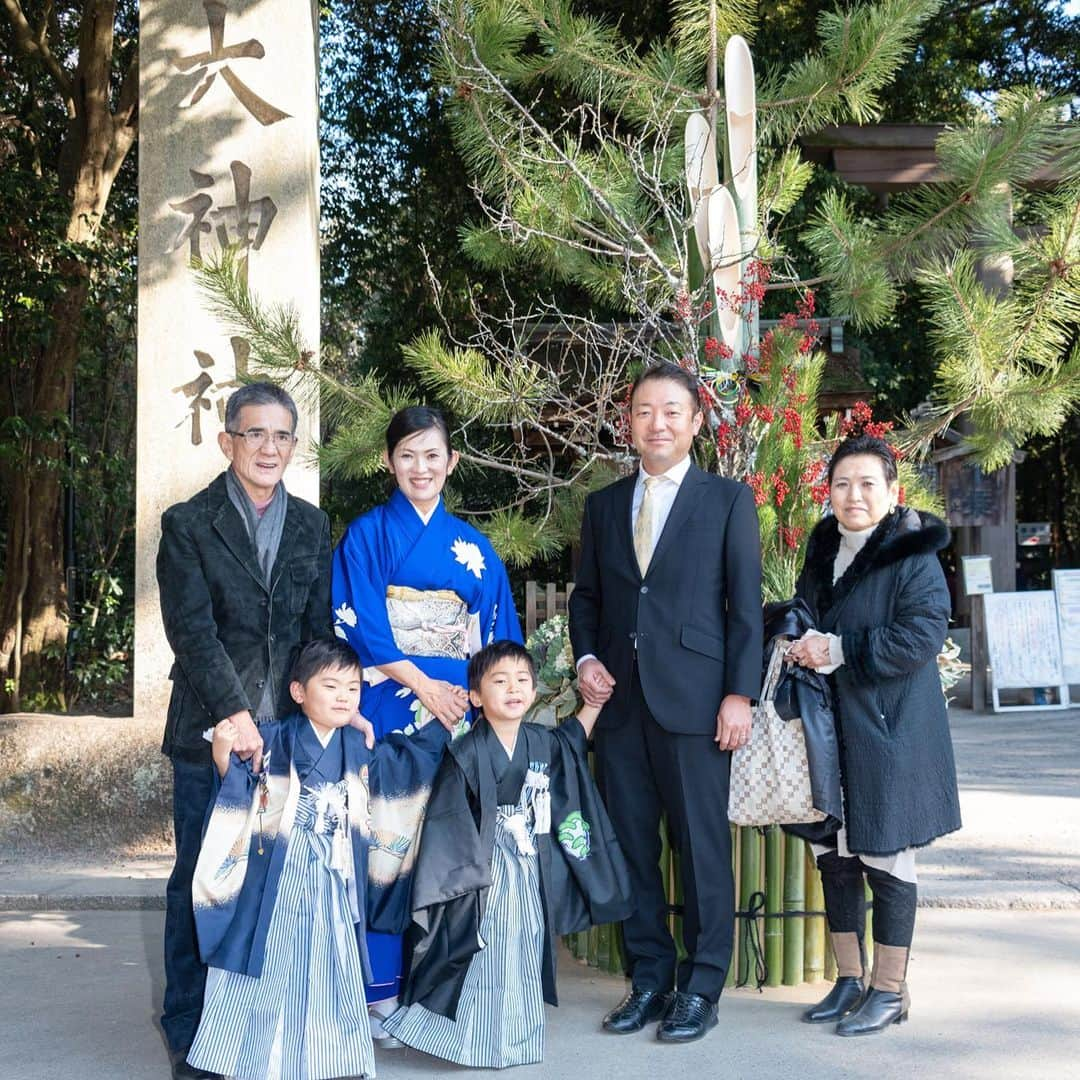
[416, 592]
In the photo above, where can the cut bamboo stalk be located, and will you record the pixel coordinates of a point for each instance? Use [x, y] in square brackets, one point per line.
[732, 972]
[750, 863]
[814, 945]
[868, 894]
[794, 900]
[774, 904]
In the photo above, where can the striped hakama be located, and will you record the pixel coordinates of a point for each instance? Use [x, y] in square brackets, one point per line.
[500, 1016]
[305, 1017]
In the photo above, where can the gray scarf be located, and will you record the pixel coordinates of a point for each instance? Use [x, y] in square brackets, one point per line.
[265, 535]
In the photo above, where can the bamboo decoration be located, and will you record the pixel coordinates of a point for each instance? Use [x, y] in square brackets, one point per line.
[733, 967]
[740, 102]
[814, 943]
[774, 905]
[794, 900]
[750, 883]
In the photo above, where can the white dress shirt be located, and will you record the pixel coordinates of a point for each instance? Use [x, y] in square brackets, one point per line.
[663, 498]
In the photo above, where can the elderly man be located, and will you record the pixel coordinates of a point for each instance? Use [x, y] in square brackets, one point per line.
[666, 624]
[244, 575]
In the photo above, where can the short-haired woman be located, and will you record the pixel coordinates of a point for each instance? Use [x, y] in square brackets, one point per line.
[873, 579]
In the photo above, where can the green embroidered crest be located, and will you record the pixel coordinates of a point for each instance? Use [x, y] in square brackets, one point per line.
[575, 836]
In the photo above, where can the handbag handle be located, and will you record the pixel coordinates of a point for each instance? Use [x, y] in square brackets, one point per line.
[775, 668]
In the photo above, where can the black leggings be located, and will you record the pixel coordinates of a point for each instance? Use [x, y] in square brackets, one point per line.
[845, 900]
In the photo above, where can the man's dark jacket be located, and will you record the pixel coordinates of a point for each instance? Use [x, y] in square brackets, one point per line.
[695, 617]
[453, 868]
[229, 631]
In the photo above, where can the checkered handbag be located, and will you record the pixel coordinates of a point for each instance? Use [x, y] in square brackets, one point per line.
[770, 776]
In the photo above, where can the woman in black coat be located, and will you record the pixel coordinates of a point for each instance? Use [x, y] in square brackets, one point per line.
[873, 579]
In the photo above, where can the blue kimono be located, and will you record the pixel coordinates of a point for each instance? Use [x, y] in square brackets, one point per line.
[433, 594]
[296, 863]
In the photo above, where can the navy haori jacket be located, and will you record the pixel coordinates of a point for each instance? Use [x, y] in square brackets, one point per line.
[235, 886]
[584, 880]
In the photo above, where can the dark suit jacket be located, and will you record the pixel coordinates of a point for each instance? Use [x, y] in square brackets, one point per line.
[228, 631]
[695, 618]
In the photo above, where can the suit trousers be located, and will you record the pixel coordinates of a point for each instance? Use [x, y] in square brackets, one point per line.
[644, 771]
[185, 973]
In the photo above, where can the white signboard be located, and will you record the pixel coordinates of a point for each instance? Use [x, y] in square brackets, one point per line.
[978, 574]
[1024, 643]
[1067, 588]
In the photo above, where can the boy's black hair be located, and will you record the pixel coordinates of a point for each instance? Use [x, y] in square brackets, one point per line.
[490, 655]
[331, 654]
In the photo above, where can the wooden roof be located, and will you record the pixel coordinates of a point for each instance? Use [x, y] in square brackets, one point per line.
[887, 157]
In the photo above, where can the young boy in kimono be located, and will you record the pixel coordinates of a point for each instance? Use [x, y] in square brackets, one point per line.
[517, 845]
[296, 863]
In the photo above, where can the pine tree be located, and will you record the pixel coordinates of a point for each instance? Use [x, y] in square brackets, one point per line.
[575, 142]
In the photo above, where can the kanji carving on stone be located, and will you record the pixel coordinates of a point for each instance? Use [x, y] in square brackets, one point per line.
[243, 225]
[203, 393]
[208, 65]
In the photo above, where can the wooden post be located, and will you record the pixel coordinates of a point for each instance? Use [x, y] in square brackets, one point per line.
[979, 655]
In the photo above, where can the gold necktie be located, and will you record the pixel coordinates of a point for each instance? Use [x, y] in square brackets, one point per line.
[643, 525]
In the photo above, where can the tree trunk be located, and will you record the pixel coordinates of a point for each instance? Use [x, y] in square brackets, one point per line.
[33, 598]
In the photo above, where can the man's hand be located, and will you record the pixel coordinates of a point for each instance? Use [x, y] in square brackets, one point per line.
[222, 744]
[362, 723]
[733, 722]
[248, 742]
[596, 682]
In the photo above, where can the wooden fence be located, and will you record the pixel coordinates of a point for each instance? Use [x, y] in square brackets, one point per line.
[780, 934]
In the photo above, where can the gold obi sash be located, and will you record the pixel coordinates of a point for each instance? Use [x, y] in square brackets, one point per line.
[431, 622]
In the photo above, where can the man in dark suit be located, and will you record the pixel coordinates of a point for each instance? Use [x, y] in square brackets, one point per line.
[244, 575]
[666, 626]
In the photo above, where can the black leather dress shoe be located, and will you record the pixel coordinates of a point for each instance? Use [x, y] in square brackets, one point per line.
[845, 996]
[879, 1009]
[181, 1070]
[638, 1008]
[688, 1017]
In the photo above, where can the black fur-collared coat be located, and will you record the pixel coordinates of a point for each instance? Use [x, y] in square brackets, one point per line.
[891, 609]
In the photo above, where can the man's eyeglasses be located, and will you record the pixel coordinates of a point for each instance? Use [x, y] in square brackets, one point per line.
[257, 436]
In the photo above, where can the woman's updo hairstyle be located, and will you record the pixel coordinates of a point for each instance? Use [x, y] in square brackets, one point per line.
[412, 420]
[866, 444]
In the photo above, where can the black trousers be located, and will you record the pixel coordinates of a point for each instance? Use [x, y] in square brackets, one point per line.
[845, 900]
[644, 771]
[185, 973]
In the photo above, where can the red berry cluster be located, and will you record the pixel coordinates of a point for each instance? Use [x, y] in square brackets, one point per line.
[862, 422]
[790, 535]
[781, 488]
[716, 350]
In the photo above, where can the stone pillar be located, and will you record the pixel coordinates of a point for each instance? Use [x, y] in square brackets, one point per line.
[228, 156]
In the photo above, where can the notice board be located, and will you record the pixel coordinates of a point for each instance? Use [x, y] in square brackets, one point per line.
[1024, 643]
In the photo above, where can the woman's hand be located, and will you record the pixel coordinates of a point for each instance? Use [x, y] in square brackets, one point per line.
[445, 701]
[810, 652]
